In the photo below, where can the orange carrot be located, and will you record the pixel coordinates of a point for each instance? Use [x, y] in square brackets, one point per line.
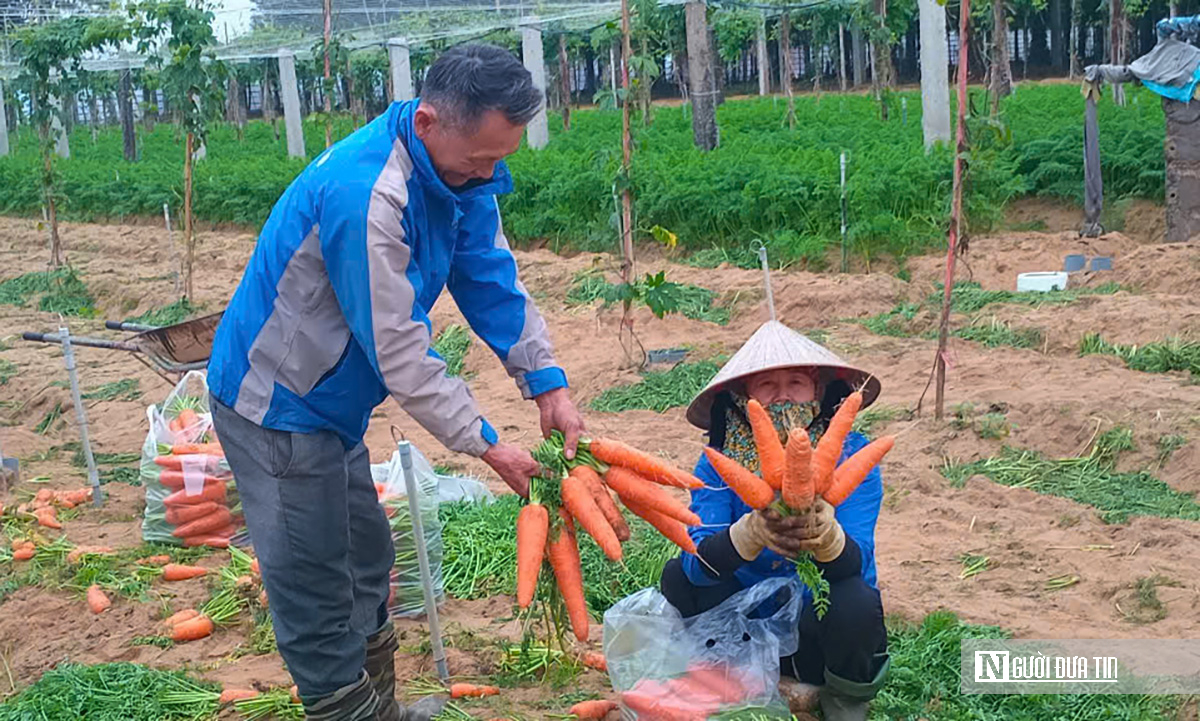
[592, 709]
[192, 629]
[205, 525]
[175, 480]
[218, 539]
[533, 523]
[294, 691]
[215, 492]
[45, 495]
[563, 552]
[179, 572]
[766, 439]
[175, 463]
[154, 560]
[79, 551]
[579, 502]
[753, 490]
[463, 690]
[179, 515]
[263, 601]
[97, 601]
[47, 517]
[604, 501]
[195, 449]
[852, 472]
[595, 660]
[616, 453]
[24, 553]
[254, 567]
[829, 448]
[798, 490]
[673, 530]
[630, 486]
[181, 616]
[175, 426]
[230, 695]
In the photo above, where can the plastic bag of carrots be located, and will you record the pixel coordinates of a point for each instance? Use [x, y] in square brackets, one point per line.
[722, 661]
[576, 495]
[190, 495]
[407, 598]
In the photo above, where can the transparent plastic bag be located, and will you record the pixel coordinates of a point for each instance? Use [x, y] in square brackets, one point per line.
[723, 663]
[183, 417]
[407, 597]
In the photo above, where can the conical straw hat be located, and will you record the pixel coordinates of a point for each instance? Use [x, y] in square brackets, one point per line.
[772, 346]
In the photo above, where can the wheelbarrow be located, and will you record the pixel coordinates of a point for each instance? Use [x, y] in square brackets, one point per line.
[173, 349]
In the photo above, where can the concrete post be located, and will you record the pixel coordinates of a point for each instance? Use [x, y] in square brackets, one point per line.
[402, 84]
[291, 104]
[538, 131]
[62, 146]
[935, 74]
[764, 59]
[1183, 170]
[858, 55]
[3, 124]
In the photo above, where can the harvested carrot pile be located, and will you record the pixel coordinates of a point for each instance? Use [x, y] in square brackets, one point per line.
[577, 494]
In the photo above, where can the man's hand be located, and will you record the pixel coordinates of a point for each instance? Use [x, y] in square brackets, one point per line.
[558, 412]
[514, 465]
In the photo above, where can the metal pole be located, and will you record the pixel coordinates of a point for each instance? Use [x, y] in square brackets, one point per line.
[435, 631]
[843, 164]
[81, 417]
[766, 268]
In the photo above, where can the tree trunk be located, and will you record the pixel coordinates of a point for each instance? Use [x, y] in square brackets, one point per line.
[1001, 84]
[128, 134]
[882, 76]
[785, 65]
[189, 236]
[564, 77]
[842, 57]
[268, 98]
[1075, 67]
[700, 72]
[645, 87]
[48, 189]
[1117, 27]
[1056, 36]
[93, 112]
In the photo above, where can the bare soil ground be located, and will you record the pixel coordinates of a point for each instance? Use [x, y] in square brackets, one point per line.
[1055, 401]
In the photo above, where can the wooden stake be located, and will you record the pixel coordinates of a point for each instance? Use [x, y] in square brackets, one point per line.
[956, 211]
[564, 75]
[328, 88]
[189, 236]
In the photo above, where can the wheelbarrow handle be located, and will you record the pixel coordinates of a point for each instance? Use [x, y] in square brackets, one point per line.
[42, 337]
[132, 327]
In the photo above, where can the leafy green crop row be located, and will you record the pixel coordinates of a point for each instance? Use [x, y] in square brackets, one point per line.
[764, 182]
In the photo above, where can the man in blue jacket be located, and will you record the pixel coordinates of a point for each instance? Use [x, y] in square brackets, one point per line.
[331, 317]
[842, 658]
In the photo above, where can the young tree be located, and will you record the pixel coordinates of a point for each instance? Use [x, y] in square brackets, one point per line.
[51, 57]
[185, 26]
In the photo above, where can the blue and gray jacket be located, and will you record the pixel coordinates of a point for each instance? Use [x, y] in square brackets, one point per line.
[332, 314]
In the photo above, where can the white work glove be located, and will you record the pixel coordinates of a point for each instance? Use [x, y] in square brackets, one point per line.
[815, 530]
[751, 533]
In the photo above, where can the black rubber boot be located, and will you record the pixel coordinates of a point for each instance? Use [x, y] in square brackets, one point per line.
[381, 667]
[845, 700]
[356, 702]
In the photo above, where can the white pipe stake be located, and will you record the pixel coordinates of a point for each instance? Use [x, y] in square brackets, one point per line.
[435, 631]
[81, 417]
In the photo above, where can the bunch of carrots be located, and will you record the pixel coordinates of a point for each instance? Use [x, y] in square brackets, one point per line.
[44, 506]
[703, 691]
[797, 471]
[578, 491]
[202, 518]
[795, 474]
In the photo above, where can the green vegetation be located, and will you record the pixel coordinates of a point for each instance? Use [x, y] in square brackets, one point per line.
[866, 420]
[58, 291]
[480, 555]
[1167, 445]
[1092, 480]
[125, 389]
[49, 421]
[112, 692]
[8, 369]
[970, 297]
[1174, 354]
[996, 333]
[452, 345]
[658, 390]
[764, 182]
[925, 679]
[164, 315]
[692, 301]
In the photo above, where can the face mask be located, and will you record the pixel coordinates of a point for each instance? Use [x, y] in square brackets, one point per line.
[786, 415]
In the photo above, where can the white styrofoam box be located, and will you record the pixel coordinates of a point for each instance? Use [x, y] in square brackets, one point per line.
[1042, 282]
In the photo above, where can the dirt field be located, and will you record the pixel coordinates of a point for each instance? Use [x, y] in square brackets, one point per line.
[1056, 402]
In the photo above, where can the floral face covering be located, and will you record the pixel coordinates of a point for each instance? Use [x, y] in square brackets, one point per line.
[739, 438]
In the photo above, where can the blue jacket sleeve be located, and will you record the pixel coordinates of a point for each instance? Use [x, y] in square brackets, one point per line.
[714, 505]
[483, 280]
[369, 262]
[859, 513]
